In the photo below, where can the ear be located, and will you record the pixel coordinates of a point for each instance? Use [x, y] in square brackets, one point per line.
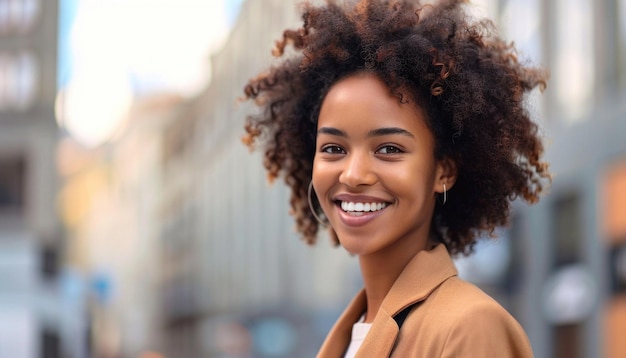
[446, 173]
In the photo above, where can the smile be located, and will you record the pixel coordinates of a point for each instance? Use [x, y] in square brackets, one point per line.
[359, 213]
[349, 206]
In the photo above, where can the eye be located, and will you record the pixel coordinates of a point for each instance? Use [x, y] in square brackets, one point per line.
[389, 149]
[332, 149]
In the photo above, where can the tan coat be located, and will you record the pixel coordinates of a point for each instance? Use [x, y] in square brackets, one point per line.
[451, 318]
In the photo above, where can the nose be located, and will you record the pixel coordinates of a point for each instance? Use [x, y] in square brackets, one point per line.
[357, 170]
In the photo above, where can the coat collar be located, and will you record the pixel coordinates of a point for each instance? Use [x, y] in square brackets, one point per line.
[425, 271]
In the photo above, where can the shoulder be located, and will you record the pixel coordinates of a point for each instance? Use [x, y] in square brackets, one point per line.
[457, 298]
[456, 303]
[458, 319]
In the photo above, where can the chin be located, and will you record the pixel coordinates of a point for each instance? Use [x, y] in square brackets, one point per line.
[353, 246]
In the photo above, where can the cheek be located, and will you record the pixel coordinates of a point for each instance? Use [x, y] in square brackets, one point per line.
[411, 179]
[410, 169]
[325, 176]
[319, 176]
[315, 170]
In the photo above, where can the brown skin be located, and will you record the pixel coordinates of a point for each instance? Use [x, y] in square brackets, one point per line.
[356, 162]
[465, 78]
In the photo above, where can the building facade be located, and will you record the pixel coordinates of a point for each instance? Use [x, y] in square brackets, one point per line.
[111, 206]
[570, 284]
[35, 319]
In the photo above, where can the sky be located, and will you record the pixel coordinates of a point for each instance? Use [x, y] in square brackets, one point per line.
[114, 51]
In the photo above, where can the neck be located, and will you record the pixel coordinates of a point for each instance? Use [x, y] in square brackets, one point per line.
[380, 272]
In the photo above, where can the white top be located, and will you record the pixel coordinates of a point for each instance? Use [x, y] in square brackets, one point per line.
[359, 332]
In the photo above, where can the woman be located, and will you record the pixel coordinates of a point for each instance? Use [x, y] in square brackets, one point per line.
[401, 127]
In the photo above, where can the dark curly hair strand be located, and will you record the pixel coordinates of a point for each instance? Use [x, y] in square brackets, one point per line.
[469, 81]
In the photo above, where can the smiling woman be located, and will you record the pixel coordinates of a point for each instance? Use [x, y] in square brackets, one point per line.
[373, 149]
[402, 128]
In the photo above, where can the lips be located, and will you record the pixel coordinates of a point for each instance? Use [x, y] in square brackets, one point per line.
[359, 210]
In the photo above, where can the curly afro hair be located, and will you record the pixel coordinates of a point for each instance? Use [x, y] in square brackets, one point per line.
[468, 79]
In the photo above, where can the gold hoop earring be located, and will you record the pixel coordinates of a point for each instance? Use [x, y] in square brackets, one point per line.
[320, 217]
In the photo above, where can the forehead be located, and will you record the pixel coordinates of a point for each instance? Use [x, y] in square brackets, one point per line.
[366, 96]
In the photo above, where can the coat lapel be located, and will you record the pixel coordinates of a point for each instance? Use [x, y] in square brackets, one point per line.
[381, 337]
[426, 271]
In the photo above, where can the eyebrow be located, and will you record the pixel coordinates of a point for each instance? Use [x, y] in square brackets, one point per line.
[389, 131]
[379, 132]
[332, 131]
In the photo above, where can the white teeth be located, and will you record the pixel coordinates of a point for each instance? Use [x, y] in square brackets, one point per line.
[361, 207]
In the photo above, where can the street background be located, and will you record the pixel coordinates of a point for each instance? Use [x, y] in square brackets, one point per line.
[134, 222]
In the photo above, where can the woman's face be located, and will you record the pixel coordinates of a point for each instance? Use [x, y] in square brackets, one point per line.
[374, 170]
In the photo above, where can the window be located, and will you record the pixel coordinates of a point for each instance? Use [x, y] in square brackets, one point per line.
[50, 344]
[12, 180]
[567, 234]
[4, 81]
[18, 81]
[567, 341]
[515, 275]
[521, 23]
[49, 262]
[569, 278]
[621, 36]
[18, 16]
[573, 64]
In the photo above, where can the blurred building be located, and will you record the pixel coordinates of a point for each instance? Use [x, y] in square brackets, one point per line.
[111, 207]
[566, 278]
[33, 322]
[193, 253]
